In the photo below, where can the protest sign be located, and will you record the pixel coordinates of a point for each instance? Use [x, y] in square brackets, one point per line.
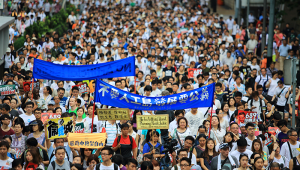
[113, 114]
[79, 128]
[46, 116]
[246, 116]
[273, 130]
[27, 86]
[87, 140]
[152, 121]
[109, 95]
[7, 90]
[82, 87]
[268, 140]
[193, 72]
[59, 128]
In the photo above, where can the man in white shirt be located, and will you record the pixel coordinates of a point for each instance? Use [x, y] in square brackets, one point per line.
[227, 38]
[195, 118]
[229, 23]
[290, 148]
[228, 60]
[47, 8]
[280, 92]
[251, 18]
[107, 164]
[241, 148]
[28, 116]
[251, 44]
[262, 79]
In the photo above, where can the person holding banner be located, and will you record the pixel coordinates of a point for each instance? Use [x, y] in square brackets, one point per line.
[153, 147]
[97, 124]
[125, 143]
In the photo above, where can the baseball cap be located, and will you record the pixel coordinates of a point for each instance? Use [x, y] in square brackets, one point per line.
[240, 45]
[242, 142]
[34, 122]
[51, 102]
[223, 146]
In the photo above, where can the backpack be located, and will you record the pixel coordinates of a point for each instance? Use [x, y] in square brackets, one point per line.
[98, 166]
[175, 167]
[53, 164]
[130, 138]
[264, 85]
[40, 151]
[157, 149]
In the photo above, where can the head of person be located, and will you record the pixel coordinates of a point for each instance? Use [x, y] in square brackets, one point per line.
[224, 149]
[59, 142]
[215, 121]
[5, 119]
[146, 165]
[253, 156]
[75, 91]
[282, 125]
[250, 127]
[106, 154]
[76, 167]
[185, 163]
[244, 159]
[17, 164]
[202, 129]
[124, 129]
[29, 107]
[36, 126]
[189, 142]
[92, 161]
[257, 146]
[182, 153]
[60, 153]
[78, 159]
[4, 147]
[242, 144]
[182, 122]
[275, 166]
[234, 128]
[293, 135]
[86, 152]
[131, 164]
[178, 114]
[33, 155]
[258, 163]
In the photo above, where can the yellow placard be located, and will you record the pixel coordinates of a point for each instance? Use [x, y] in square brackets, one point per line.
[113, 114]
[152, 121]
[59, 128]
[86, 140]
[86, 81]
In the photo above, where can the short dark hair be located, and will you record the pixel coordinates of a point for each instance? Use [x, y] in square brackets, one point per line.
[117, 159]
[131, 160]
[55, 140]
[110, 151]
[249, 124]
[125, 125]
[182, 150]
[282, 123]
[6, 107]
[81, 158]
[29, 103]
[147, 164]
[58, 148]
[190, 138]
[4, 143]
[186, 159]
[178, 112]
[90, 158]
[31, 142]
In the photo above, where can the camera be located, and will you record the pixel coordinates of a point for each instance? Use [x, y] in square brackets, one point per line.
[169, 145]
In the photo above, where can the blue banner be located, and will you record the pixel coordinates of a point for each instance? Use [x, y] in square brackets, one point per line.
[50, 71]
[112, 96]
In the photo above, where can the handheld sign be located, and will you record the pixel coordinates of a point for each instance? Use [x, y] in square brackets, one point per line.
[59, 128]
[113, 114]
[7, 90]
[152, 121]
[87, 140]
[79, 128]
[82, 87]
[194, 72]
[27, 86]
[246, 116]
[46, 116]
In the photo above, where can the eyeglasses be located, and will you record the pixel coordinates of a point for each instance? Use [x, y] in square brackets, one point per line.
[104, 154]
[251, 129]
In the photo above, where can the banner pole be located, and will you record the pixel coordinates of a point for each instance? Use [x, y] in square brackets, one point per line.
[134, 85]
[32, 88]
[93, 117]
[210, 122]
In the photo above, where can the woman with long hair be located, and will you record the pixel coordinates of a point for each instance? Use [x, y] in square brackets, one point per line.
[208, 154]
[18, 139]
[216, 133]
[223, 122]
[243, 162]
[92, 161]
[257, 147]
[206, 123]
[231, 104]
[135, 113]
[181, 131]
[79, 119]
[152, 146]
[132, 133]
[258, 163]
[86, 153]
[200, 147]
[86, 97]
[96, 124]
[33, 159]
[47, 92]
[228, 138]
[225, 109]
[180, 62]
[276, 157]
[36, 128]
[57, 110]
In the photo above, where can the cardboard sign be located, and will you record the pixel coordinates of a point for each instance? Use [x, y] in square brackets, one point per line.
[79, 128]
[87, 140]
[273, 130]
[113, 114]
[82, 88]
[27, 86]
[194, 72]
[152, 121]
[7, 90]
[59, 128]
[46, 116]
[246, 116]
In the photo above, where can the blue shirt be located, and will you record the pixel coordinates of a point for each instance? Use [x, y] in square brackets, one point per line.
[51, 151]
[239, 53]
[283, 50]
[147, 148]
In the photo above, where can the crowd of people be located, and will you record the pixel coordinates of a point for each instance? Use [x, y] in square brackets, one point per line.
[169, 39]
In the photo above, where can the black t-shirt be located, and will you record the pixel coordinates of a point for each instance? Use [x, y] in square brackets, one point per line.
[169, 72]
[251, 82]
[177, 75]
[245, 70]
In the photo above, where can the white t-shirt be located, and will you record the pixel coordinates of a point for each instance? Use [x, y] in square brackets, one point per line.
[261, 79]
[281, 161]
[194, 121]
[96, 124]
[285, 151]
[249, 142]
[27, 119]
[111, 167]
[273, 85]
[6, 164]
[281, 93]
[237, 154]
[172, 125]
